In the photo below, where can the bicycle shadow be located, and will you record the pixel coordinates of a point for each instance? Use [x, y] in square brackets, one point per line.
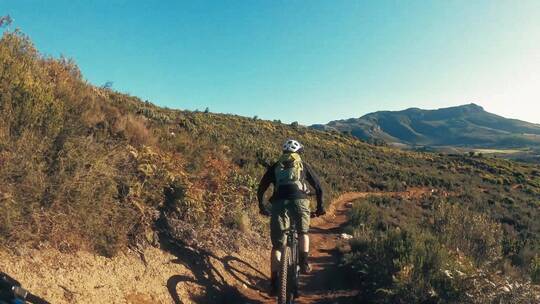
[255, 280]
[202, 263]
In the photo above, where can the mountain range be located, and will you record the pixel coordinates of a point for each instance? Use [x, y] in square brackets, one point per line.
[462, 126]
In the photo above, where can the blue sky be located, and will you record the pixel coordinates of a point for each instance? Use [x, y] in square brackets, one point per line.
[306, 61]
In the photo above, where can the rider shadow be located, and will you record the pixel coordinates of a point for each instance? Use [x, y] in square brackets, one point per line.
[32, 298]
[205, 274]
[201, 263]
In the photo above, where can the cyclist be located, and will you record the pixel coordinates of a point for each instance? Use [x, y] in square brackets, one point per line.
[289, 201]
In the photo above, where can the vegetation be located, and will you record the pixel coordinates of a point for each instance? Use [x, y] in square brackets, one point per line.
[88, 168]
[438, 252]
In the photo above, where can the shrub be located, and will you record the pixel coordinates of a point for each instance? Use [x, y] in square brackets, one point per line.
[430, 273]
[398, 266]
[365, 216]
[474, 233]
[134, 130]
[535, 269]
[27, 101]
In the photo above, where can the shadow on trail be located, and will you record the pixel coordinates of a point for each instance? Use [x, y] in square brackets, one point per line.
[333, 230]
[205, 274]
[330, 275]
[255, 281]
[317, 230]
[340, 300]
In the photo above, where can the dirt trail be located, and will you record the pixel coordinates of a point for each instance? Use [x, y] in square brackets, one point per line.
[184, 275]
[326, 283]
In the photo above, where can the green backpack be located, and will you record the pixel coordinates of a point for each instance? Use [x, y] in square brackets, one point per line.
[289, 170]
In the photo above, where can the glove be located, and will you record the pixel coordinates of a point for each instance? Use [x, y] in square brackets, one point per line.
[320, 211]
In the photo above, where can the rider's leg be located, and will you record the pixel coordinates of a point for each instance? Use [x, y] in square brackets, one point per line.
[303, 218]
[304, 242]
[275, 257]
[274, 260]
[278, 224]
[304, 253]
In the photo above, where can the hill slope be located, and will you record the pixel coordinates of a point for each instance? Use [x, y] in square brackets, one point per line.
[89, 169]
[468, 125]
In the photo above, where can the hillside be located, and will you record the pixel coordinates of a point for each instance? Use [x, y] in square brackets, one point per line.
[88, 169]
[462, 126]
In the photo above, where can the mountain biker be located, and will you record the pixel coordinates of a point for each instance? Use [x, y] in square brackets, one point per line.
[289, 200]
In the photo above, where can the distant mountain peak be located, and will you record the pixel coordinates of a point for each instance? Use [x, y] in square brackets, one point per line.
[466, 125]
[473, 106]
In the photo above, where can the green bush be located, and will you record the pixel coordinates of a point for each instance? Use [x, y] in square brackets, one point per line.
[535, 269]
[28, 100]
[365, 216]
[398, 266]
[473, 233]
[429, 274]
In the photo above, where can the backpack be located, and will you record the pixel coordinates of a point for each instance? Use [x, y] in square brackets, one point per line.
[289, 170]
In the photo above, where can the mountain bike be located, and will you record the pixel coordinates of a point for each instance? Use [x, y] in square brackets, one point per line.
[289, 268]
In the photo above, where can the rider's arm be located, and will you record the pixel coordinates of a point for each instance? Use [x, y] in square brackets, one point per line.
[313, 180]
[266, 180]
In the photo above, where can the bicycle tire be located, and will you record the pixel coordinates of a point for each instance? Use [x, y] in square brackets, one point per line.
[293, 273]
[283, 275]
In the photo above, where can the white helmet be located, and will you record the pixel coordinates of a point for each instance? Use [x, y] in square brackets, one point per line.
[292, 145]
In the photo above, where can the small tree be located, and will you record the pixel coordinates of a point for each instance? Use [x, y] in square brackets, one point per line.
[5, 20]
[107, 85]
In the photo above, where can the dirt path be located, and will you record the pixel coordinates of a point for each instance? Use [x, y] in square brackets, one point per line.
[326, 283]
[184, 275]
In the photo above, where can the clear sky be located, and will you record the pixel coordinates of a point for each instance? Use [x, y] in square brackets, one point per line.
[310, 61]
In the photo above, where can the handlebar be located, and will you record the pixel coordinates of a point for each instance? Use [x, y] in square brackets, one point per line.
[11, 290]
[19, 292]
